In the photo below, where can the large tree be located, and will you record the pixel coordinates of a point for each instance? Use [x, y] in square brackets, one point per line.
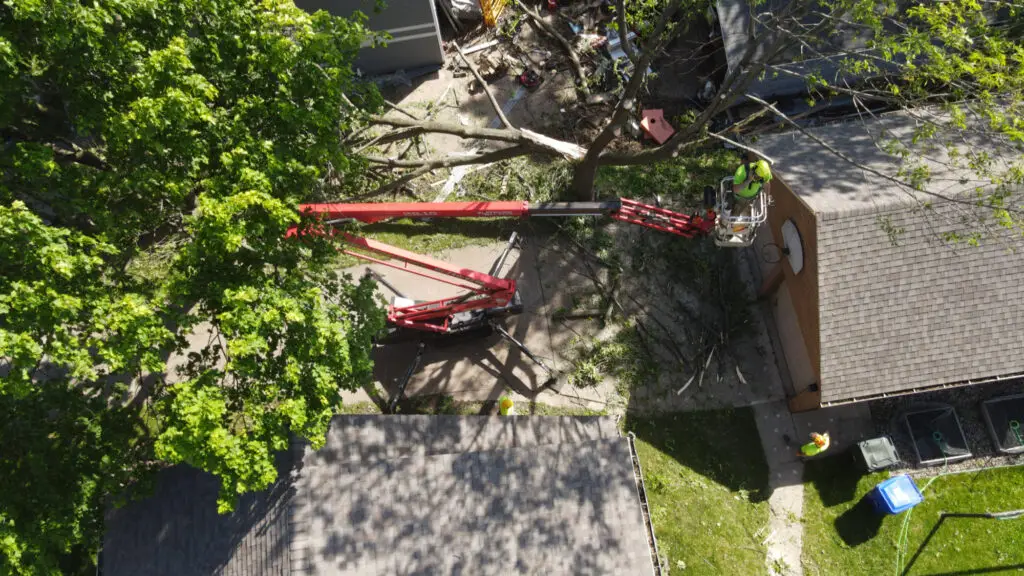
[964, 58]
[153, 155]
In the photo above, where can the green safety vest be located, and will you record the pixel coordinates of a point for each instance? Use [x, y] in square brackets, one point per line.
[812, 449]
[752, 189]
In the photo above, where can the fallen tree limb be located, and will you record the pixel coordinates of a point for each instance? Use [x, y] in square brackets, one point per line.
[487, 89]
[566, 149]
[538, 142]
[416, 128]
[645, 334]
[398, 108]
[427, 165]
[399, 163]
[574, 58]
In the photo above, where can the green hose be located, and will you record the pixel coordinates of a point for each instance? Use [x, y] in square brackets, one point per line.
[904, 536]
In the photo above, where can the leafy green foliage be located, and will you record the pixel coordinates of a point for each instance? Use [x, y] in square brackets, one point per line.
[520, 179]
[623, 357]
[643, 15]
[152, 311]
[958, 67]
[679, 181]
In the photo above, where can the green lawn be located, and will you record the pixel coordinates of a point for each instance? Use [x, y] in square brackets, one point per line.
[706, 484]
[843, 536]
[434, 237]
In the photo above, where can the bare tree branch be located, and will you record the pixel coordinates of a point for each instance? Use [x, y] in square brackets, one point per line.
[428, 165]
[487, 90]
[539, 142]
[741, 146]
[627, 46]
[903, 185]
[459, 159]
[398, 108]
[574, 58]
[417, 128]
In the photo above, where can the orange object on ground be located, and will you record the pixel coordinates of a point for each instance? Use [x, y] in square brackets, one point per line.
[654, 124]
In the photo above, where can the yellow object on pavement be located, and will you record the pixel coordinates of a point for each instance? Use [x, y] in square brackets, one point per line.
[506, 407]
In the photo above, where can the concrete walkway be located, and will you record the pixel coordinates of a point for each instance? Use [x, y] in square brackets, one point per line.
[786, 470]
[786, 503]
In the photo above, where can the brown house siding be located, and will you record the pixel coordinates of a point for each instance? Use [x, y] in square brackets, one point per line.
[803, 287]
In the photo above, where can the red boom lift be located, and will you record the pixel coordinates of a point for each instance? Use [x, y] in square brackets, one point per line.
[485, 292]
[487, 297]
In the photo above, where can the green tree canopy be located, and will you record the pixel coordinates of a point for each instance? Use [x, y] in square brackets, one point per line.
[153, 155]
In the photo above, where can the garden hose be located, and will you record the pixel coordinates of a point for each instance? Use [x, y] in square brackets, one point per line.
[1015, 428]
[904, 535]
[940, 441]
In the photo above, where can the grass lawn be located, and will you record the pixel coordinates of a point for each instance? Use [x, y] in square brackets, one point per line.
[706, 484]
[433, 237]
[843, 536]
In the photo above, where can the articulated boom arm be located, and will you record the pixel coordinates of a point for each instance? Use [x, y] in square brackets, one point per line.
[485, 291]
[621, 209]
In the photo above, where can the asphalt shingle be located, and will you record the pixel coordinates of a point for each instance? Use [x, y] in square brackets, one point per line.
[177, 531]
[901, 308]
[553, 509]
[406, 495]
[917, 314]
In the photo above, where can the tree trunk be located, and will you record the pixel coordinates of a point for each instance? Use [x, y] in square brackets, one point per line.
[583, 177]
[735, 83]
[586, 170]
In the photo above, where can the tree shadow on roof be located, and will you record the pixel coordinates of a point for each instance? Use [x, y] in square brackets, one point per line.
[178, 531]
[564, 508]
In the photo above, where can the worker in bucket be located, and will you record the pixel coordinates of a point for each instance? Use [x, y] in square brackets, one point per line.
[748, 181]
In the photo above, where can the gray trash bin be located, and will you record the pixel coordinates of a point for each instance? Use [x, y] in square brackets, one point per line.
[876, 454]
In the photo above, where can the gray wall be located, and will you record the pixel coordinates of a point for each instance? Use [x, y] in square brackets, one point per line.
[416, 37]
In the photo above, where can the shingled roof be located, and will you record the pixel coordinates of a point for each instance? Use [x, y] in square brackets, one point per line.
[177, 531]
[900, 309]
[406, 494]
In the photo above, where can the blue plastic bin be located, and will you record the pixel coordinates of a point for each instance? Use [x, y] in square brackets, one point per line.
[896, 495]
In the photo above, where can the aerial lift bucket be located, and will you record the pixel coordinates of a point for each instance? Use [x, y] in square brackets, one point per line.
[737, 228]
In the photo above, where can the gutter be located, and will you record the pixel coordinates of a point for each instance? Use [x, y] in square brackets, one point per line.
[921, 389]
[641, 490]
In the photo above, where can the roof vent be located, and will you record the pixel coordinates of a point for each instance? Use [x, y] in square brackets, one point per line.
[792, 245]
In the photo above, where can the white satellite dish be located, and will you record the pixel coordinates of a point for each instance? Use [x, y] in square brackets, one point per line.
[793, 246]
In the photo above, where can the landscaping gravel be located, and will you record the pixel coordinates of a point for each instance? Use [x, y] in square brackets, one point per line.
[887, 416]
